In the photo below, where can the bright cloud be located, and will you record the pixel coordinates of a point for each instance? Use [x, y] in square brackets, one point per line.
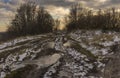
[57, 11]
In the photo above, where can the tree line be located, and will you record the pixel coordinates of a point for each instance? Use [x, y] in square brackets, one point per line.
[32, 19]
[83, 18]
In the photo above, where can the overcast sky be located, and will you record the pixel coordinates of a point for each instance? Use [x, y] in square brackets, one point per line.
[58, 8]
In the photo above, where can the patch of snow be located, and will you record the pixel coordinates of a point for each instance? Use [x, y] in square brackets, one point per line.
[15, 67]
[100, 64]
[19, 40]
[22, 56]
[67, 44]
[12, 48]
[104, 51]
[51, 70]
[98, 32]
[116, 39]
[107, 43]
[83, 45]
[2, 74]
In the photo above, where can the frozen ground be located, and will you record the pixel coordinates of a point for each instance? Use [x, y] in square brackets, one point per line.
[80, 54]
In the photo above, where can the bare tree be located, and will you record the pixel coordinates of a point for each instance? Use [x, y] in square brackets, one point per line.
[82, 18]
[31, 19]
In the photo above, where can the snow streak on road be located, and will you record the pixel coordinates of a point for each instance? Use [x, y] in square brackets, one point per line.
[82, 54]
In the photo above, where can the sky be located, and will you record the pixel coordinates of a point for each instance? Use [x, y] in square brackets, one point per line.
[57, 8]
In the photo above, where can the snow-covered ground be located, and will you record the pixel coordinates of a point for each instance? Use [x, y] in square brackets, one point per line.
[72, 63]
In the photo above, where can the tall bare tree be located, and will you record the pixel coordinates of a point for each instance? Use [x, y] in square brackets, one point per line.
[31, 19]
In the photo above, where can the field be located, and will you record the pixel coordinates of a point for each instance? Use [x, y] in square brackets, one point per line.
[79, 54]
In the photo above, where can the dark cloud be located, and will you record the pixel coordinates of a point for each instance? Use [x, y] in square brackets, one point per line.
[59, 3]
[114, 1]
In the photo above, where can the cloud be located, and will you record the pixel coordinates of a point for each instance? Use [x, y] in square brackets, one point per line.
[7, 10]
[57, 8]
[57, 11]
[5, 17]
[57, 3]
[98, 3]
